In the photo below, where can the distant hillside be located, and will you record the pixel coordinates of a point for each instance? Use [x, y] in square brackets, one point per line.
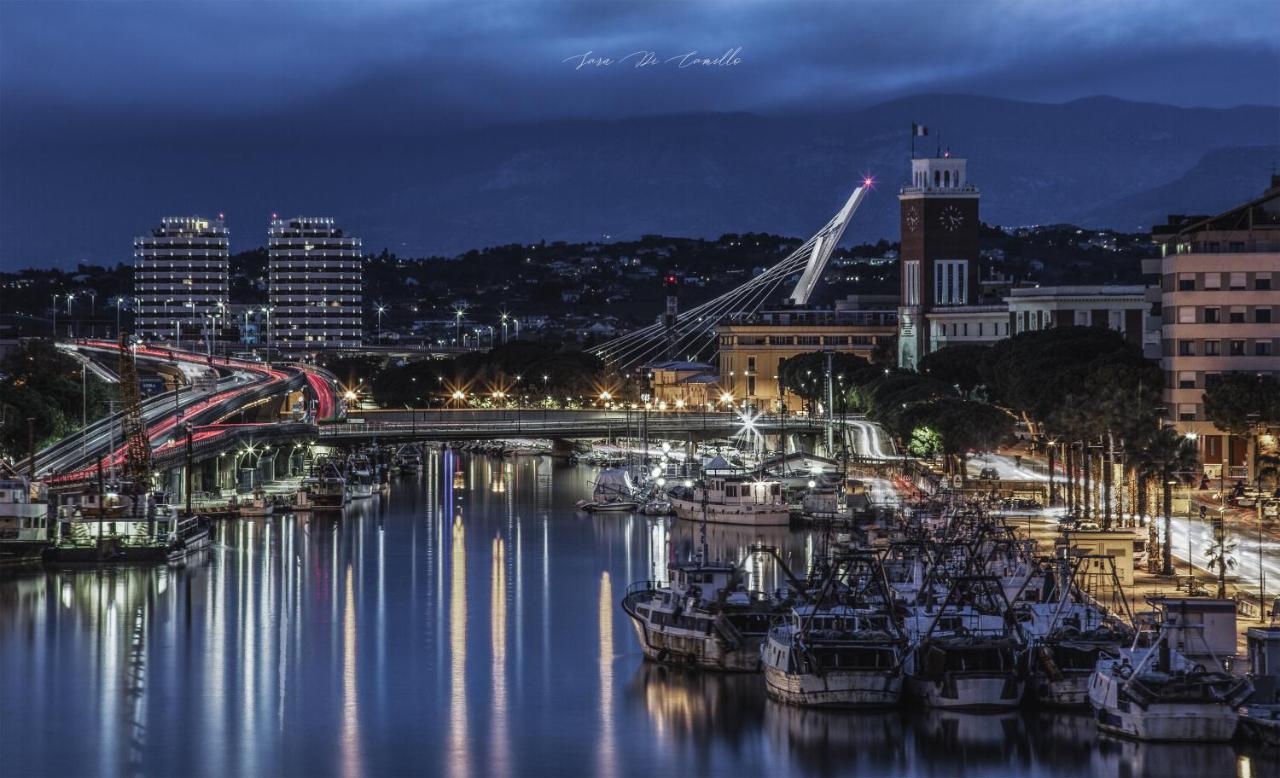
[1221, 179]
[1099, 160]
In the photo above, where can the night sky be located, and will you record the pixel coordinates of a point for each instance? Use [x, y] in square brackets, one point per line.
[103, 79]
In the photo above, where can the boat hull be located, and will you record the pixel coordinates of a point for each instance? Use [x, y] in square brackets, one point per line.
[691, 649]
[834, 689]
[968, 692]
[1183, 722]
[1070, 690]
[749, 516]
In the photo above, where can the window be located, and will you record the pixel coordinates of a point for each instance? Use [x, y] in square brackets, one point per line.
[912, 290]
[1262, 282]
[1212, 280]
[1187, 379]
[1262, 315]
[751, 386]
[1262, 348]
[952, 285]
[1237, 280]
[1187, 412]
[1186, 314]
[1212, 348]
[1212, 315]
[1237, 348]
[979, 329]
[1237, 314]
[1186, 348]
[966, 328]
[1186, 282]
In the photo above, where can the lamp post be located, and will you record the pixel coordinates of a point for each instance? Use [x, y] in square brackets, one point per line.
[70, 321]
[55, 316]
[118, 301]
[381, 310]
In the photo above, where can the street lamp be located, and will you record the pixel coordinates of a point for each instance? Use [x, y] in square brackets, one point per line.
[381, 310]
[55, 316]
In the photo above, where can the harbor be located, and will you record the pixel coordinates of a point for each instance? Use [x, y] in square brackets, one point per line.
[469, 619]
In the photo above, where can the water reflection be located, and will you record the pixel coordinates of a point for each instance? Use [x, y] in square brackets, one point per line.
[459, 753]
[341, 646]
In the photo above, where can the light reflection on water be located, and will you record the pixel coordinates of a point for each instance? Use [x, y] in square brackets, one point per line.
[469, 630]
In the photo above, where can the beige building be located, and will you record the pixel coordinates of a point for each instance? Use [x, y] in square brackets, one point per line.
[751, 349]
[1217, 286]
[683, 385]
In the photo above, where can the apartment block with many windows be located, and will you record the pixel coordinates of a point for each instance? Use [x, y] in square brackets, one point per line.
[180, 278]
[1217, 289]
[316, 281]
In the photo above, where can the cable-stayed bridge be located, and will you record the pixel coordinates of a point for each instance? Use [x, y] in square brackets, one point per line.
[692, 332]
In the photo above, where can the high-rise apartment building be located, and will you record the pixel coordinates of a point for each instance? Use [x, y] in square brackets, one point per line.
[316, 280]
[1217, 286]
[180, 278]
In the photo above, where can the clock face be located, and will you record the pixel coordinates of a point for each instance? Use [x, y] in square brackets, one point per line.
[951, 218]
[912, 219]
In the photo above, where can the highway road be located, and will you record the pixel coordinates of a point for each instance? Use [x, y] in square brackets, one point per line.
[243, 383]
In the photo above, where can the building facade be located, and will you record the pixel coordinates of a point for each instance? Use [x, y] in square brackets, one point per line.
[939, 256]
[1124, 309]
[180, 278]
[1217, 288]
[752, 348]
[316, 283]
[681, 385]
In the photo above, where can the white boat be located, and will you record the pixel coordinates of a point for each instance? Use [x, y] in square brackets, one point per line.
[967, 654]
[328, 488]
[704, 618]
[258, 505]
[733, 499]
[1154, 692]
[613, 492]
[360, 481]
[843, 648]
[834, 657]
[24, 530]
[302, 498]
[1068, 635]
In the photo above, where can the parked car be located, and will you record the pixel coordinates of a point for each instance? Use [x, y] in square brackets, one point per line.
[989, 474]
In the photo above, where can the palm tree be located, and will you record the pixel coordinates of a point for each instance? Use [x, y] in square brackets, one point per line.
[1166, 453]
[1221, 555]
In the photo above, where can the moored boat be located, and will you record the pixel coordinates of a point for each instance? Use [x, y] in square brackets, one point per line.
[843, 647]
[704, 618]
[732, 499]
[967, 654]
[1155, 692]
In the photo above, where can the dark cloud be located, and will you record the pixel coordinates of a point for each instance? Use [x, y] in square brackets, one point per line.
[84, 79]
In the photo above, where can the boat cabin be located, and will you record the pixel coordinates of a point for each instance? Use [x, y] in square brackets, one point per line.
[706, 579]
[722, 490]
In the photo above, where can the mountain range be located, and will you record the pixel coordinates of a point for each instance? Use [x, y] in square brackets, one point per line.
[1097, 162]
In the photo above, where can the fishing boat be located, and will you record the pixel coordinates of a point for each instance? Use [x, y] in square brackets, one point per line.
[966, 654]
[1154, 691]
[613, 492]
[843, 648]
[705, 617]
[1069, 634]
[24, 530]
[732, 499]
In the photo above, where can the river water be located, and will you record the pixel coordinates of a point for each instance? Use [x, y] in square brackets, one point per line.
[467, 624]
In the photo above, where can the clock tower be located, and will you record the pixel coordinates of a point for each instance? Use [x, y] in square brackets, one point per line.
[939, 254]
